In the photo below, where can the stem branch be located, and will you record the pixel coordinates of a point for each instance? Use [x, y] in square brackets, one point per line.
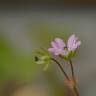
[76, 91]
[61, 68]
[73, 77]
[72, 70]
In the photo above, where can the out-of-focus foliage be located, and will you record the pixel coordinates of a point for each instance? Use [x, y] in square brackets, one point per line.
[15, 64]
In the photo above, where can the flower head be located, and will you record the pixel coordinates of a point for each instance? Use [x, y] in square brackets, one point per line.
[57, 47]
[60, 48]
[73, 43]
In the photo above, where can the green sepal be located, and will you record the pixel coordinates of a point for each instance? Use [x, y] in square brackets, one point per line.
[46, 66]
[69, 56]
[43, 57]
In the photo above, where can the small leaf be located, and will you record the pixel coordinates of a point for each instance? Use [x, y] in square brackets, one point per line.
[46, 67]
[40, 62]
[44, 57]
[40, 53]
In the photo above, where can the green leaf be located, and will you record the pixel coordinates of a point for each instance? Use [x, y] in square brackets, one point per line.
[46, 66]
[40, 62]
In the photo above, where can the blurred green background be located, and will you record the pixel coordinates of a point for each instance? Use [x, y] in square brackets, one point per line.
[25, 31]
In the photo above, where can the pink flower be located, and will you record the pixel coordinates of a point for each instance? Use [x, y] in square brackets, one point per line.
[73, 43]
[60, 48]
[57, 47]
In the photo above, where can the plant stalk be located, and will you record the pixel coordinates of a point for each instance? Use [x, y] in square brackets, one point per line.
[61, 68]
[73, 77]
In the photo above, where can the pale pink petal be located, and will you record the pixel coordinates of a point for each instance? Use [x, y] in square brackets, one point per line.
[73, 43]
[56, 53]
[57, 46]
[71, 40]
[54, 44]
[78, 43]
[60, 42]
[51, 50]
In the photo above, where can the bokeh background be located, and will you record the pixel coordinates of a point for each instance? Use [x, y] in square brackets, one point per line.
[25, 29]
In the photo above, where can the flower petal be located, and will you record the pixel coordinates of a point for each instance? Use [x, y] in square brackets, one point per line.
[60, 42]
[78, 43]
[51, 50]
[73, 43]
[53, 44]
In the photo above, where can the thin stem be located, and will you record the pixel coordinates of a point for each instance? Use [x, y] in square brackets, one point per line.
[61, 68]
[72, 69]
[73, 76]
[76, 91]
